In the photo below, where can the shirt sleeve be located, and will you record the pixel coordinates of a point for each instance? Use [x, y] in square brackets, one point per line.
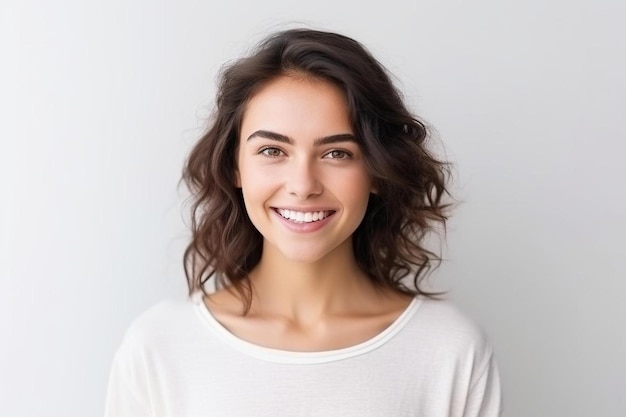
[485, 397]
[124, 396]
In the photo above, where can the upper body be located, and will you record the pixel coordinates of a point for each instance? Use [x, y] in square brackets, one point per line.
[178, 360]
[313, 193]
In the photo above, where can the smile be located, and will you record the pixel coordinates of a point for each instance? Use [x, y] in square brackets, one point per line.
[304, 216]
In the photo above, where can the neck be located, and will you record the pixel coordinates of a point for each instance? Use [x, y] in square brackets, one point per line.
[309, 289]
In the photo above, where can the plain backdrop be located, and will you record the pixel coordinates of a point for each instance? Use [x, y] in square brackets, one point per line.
[101, 101]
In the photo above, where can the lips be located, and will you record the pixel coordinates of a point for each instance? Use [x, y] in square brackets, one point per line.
[304, 216]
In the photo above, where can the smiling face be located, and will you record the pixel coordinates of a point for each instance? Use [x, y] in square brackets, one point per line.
[301, 171]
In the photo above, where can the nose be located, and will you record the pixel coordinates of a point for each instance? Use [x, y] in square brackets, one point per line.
[302, 180]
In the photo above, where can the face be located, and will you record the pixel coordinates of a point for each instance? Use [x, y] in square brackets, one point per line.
[301, 171]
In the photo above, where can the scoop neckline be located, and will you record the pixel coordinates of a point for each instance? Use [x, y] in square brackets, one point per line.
[303, 357]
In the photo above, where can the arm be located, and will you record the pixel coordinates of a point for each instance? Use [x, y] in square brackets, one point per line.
[484, 398]
[124, 397]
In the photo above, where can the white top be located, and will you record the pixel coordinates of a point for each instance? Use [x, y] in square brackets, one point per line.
[177, 360]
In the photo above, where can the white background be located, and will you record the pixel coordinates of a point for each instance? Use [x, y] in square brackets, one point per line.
[102, 100]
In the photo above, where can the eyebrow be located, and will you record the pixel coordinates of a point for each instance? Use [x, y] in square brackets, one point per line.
[326, 140]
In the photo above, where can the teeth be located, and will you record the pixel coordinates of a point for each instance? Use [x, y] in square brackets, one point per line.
[303, 217]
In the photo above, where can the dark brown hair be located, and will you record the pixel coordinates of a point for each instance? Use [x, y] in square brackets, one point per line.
[410, 181]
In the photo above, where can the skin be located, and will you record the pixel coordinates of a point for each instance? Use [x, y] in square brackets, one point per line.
[297, 151]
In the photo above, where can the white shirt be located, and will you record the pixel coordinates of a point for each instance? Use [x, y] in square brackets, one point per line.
[177, 360]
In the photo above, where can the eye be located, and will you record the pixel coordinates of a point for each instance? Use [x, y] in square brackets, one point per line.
[271, 152]
[338, 154]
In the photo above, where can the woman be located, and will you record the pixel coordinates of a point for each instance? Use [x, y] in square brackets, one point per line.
[313, 192]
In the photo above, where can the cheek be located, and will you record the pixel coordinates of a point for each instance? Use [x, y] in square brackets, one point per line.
[359, 181]
[355, 189]
[256, 189]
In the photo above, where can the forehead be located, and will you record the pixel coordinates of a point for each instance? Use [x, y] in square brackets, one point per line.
[299, 107]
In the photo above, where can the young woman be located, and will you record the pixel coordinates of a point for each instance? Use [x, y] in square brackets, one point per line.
[313, 191]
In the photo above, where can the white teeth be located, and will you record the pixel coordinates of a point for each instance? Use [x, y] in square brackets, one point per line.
[303, 217]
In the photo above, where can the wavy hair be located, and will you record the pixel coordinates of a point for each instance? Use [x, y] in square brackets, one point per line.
[411, 183]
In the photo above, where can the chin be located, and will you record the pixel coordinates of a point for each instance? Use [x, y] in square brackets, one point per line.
[305, 257]
[302, 254]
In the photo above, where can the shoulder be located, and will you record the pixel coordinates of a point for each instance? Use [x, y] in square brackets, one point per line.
[163, 312]
[454, 351]
[447, 317]
[158, 324]
[151, 348]
[442, 326]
